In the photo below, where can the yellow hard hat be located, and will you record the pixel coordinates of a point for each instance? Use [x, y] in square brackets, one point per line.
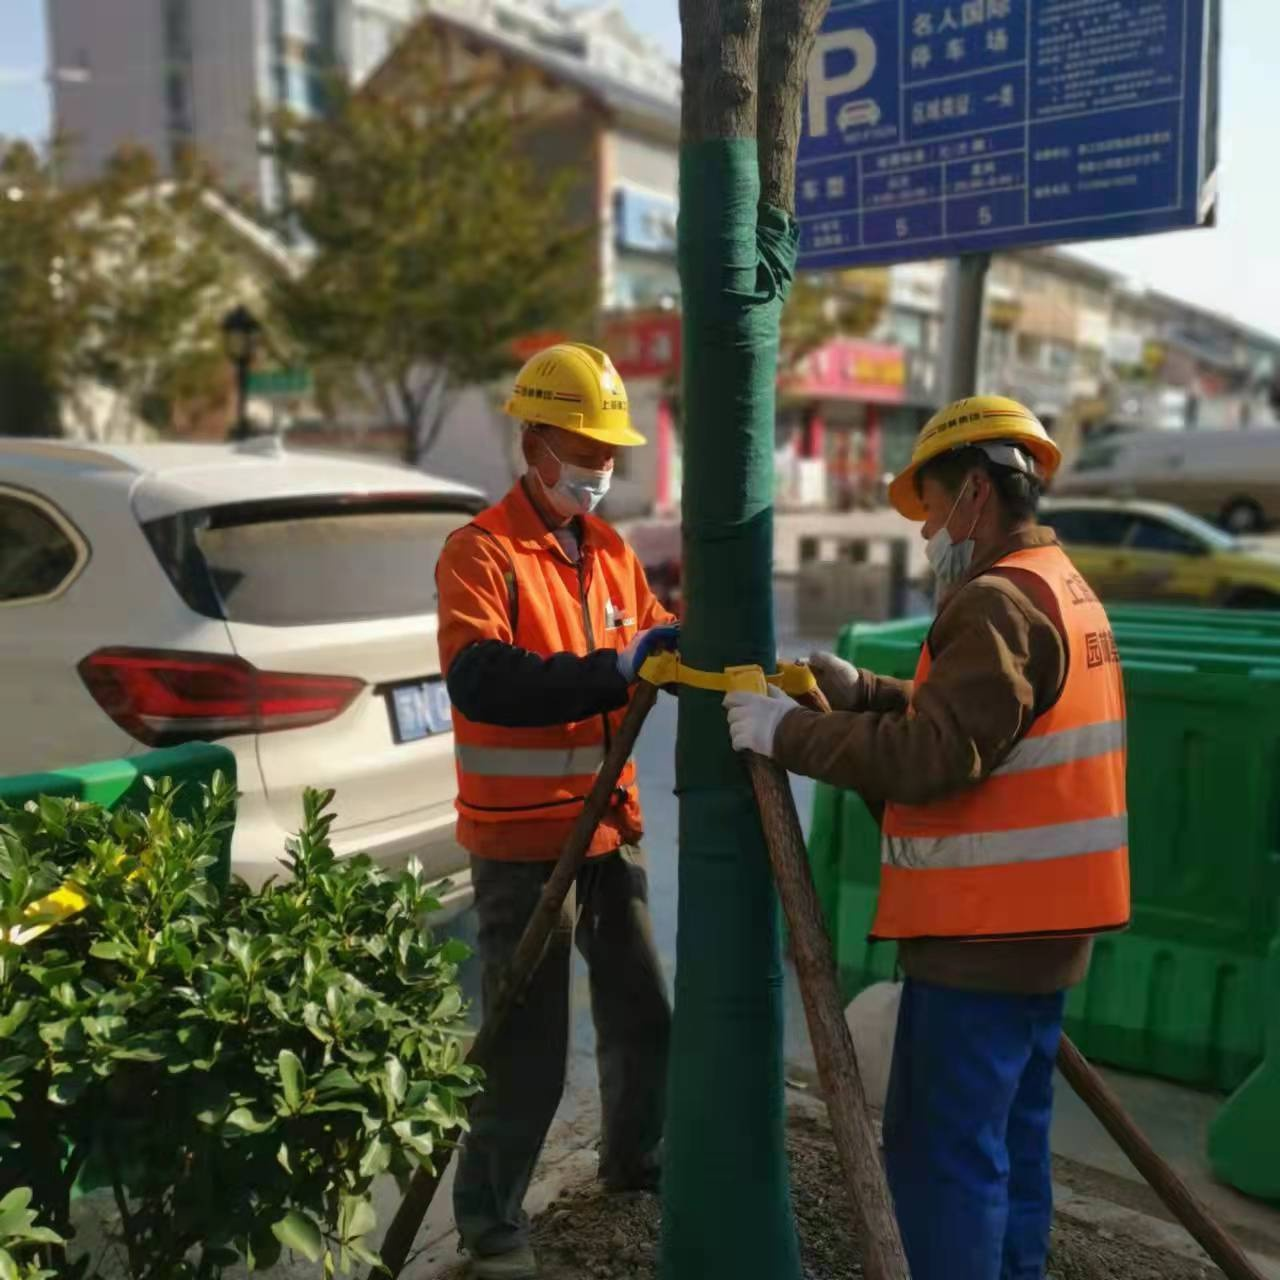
[576, 388]
[977, 420]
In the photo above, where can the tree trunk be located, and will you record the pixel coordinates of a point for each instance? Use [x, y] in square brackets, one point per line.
[726, 1205]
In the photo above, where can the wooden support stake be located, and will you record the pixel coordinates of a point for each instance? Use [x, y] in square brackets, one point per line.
[528, 955]
[1177, 1196]
[883, 1256]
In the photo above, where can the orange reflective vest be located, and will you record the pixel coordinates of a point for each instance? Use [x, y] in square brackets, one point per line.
[505, 577]
[1041, 847]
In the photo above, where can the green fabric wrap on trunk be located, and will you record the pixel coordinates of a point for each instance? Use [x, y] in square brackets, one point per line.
[726, 1210]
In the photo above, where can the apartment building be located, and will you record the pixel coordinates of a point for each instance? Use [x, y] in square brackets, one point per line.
[176, 74]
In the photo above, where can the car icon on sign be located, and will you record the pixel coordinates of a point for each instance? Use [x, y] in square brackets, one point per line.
[857, 114]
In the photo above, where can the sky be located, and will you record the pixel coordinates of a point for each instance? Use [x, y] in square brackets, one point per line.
[1233, 268]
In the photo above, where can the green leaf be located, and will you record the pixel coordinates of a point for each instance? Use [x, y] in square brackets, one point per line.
[356, 1218]
[292, 1078]
[449, 1005]
[422, 1143]
[335, 1081]
[244, 1119]
[298, 1232]
[42, 1235]
[107, 951]
[377, 1157]
[67, 1089]
[19, 1198]
[17, 1220]
[110, 1028]
[8, 1267]
[11, 1021]
[53, 813]
[397, 1081]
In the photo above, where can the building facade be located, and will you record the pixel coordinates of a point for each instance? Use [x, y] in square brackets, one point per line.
[173, 75]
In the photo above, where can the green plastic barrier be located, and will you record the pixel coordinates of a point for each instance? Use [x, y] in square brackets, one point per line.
[1184, 993]
[1242, 1141]
[112, 783]
[1259, 621]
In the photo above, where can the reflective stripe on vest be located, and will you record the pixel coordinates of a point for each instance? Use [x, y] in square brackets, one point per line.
[1064, 746]
[529, 762]
[1041, 846]
[518, 774]
[998, 848]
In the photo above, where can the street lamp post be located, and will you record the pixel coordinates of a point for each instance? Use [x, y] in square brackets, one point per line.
[240, 334]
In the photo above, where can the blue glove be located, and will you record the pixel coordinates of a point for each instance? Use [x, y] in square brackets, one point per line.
[643, 646]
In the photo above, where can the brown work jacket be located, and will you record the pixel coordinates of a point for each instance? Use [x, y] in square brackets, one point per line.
[999, 660]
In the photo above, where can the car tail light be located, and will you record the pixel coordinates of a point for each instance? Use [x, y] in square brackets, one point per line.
[164, 697]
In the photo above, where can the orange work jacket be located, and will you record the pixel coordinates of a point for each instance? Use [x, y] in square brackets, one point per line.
[1041, 846]
[505, 577]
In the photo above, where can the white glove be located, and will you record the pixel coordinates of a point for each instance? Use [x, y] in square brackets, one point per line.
[754, 719]
[837, 679]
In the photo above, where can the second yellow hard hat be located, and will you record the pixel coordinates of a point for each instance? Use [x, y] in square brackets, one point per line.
[975, 420]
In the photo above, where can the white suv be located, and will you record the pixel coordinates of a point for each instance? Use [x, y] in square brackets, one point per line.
[282, 603]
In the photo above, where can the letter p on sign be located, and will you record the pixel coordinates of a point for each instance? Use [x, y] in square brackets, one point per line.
[823, 87]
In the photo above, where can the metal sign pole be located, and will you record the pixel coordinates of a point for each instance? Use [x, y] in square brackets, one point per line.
[966, 281]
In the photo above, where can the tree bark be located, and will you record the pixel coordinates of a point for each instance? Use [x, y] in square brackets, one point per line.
[726, 1211]
[718, 58]
[786, 41]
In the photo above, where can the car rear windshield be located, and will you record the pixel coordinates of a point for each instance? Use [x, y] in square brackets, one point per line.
[292, 564]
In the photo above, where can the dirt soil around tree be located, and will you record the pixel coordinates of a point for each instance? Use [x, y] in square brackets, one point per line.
[587, 1235]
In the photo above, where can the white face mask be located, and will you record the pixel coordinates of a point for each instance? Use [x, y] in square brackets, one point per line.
[578, 491]
[951, 560]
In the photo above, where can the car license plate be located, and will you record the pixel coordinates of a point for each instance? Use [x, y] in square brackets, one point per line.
[420, 709]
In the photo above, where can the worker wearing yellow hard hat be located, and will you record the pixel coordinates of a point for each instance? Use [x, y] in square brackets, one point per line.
[545, 619]
[981, 421]
[998, 774]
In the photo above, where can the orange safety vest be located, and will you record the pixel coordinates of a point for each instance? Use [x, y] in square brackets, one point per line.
[1041, 847]
[519, 789]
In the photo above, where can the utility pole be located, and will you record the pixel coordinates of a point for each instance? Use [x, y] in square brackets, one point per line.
[966, 285]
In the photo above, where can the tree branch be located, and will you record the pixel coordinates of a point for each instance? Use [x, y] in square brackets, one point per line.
[718, 67]
[786, 40]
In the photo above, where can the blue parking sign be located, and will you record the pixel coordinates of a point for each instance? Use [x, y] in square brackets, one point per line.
[939, 127]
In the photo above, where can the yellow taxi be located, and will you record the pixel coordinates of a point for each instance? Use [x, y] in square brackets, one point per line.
[1133, 550]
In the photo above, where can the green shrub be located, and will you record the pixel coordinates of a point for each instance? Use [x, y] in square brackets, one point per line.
[237, 1069]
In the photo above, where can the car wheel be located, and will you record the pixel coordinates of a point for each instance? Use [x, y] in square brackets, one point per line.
[1253, 598]
[1243, 515]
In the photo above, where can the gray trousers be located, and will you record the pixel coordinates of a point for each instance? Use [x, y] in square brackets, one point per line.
[525, 1079]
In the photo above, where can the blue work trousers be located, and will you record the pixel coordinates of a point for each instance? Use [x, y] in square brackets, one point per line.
[966, 1131]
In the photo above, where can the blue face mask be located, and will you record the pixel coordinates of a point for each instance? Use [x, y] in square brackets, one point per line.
[579, 490]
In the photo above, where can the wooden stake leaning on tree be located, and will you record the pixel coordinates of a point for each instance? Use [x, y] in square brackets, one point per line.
[524, 963]
[1164, 1181]
[883, 1257]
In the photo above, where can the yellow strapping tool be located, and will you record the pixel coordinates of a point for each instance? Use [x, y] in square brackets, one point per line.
[793, 678]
